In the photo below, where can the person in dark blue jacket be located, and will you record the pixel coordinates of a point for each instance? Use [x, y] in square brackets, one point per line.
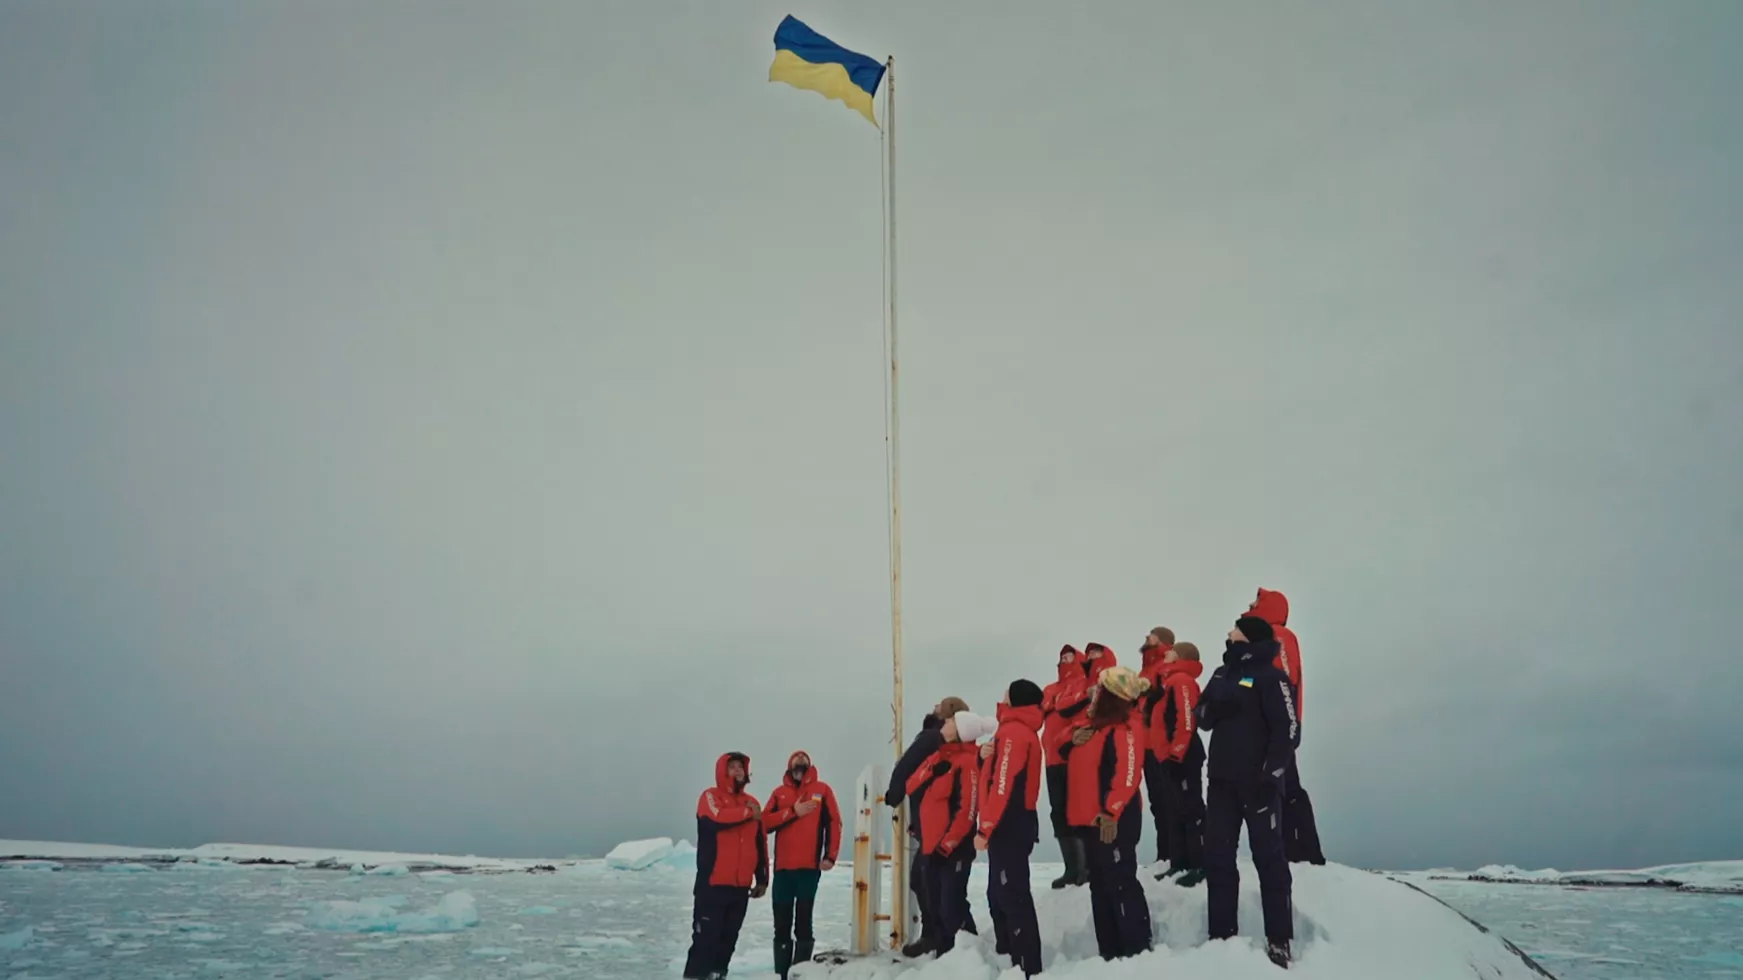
[1249, 708]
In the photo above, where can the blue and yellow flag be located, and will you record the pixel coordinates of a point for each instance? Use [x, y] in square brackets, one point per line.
[808, 60]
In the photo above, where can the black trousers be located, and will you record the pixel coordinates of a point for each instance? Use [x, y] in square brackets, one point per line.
[1057, 787]
[1157, 792]
[1183, 809]
[947, 892]
[1257, 804]
[1008, 896]
[1300, 832]
[714, 924]
[1116, 899]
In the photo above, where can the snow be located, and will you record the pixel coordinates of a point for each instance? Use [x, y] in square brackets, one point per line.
[14, 852]
[1701, 876]
[590, 921]
[1349, 925]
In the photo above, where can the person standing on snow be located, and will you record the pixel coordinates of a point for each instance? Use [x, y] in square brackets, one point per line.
[1106, 769]
[1175, 765]
[1069, 704]
[732, 867]
[1062, 703]
[806, 821]
[1157, 643]
[946, 784]
[1249, 709]
[1007, 829]
[1300, 831]
[928, 740]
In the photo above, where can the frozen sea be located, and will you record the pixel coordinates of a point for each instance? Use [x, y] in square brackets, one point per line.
[588, 920]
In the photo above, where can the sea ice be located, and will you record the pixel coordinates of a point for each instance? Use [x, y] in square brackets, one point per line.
[456, 911]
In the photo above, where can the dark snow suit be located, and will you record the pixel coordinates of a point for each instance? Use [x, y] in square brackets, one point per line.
[1249, 708]
[1010, 788]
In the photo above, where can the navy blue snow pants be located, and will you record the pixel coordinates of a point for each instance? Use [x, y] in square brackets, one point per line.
[1259, 805]
[1122, 913]
[1015, 928]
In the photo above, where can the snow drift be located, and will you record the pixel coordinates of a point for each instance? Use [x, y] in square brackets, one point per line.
[1349, 925]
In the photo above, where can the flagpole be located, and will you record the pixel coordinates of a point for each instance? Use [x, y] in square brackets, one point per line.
[898, 847]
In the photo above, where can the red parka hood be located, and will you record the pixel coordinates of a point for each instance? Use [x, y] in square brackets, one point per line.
[1097, 664]
[1153, 656]
[810, 771]
[722, 780]
[1071, 663]
[1272, 607]
[1028, 715]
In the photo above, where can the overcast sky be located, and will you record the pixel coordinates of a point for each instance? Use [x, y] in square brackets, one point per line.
[441, 426]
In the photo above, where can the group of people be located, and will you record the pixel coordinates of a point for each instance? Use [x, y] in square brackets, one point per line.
[1098, 737]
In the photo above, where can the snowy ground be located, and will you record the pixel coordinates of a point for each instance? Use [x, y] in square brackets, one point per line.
[195, 918]
[1717, 877]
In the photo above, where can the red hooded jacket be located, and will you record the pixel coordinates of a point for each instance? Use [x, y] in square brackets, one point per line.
[947, 800]
[1104, 773]
[731, 850]
[1067, 691]
[1171, 723]
[1014, 772]
[1152, 666]
[1273, 608]
[803, 843]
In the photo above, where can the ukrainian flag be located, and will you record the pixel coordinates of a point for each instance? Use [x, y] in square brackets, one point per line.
[808, 60]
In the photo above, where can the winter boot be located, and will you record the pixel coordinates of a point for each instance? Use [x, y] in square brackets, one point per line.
[1173, 869]
[1278, 951]
[783, 958]
[1190, 878]
[1076, 855]
[920, 947]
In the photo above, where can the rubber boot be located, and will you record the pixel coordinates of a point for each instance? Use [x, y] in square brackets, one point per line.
[1278, 952]
[1076, 854]
[783, 958]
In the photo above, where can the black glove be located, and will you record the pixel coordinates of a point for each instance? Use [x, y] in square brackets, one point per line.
[940, 768]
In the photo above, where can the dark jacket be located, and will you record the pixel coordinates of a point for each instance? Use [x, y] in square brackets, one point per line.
[1249, 708]
[930, 740]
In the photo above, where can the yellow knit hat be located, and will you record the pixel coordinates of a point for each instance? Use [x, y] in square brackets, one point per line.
[1124, 683]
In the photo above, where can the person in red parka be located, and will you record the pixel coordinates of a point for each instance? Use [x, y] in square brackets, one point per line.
[1106, 768]
[1157, 643]
[946, 784]
[1061, 703]
[806, 821]
[1007, 828]
[732, 867]
[1069, 704]
[1300, 830]
[1176, 764]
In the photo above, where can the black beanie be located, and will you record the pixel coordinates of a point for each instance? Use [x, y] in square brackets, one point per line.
[1024, 693]
[1255, 629]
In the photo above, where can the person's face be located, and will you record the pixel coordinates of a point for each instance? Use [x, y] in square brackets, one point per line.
[1150, 641]
[1236, 636]
[735, 771]
[950, 730]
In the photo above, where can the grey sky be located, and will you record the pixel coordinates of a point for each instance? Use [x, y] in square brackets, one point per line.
[441, 426]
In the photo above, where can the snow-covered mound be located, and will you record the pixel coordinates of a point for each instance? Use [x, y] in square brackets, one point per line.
[1349, 925]
[1725, 877]
[655, 853]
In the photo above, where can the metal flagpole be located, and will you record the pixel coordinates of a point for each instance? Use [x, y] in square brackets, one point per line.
[892, 436]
